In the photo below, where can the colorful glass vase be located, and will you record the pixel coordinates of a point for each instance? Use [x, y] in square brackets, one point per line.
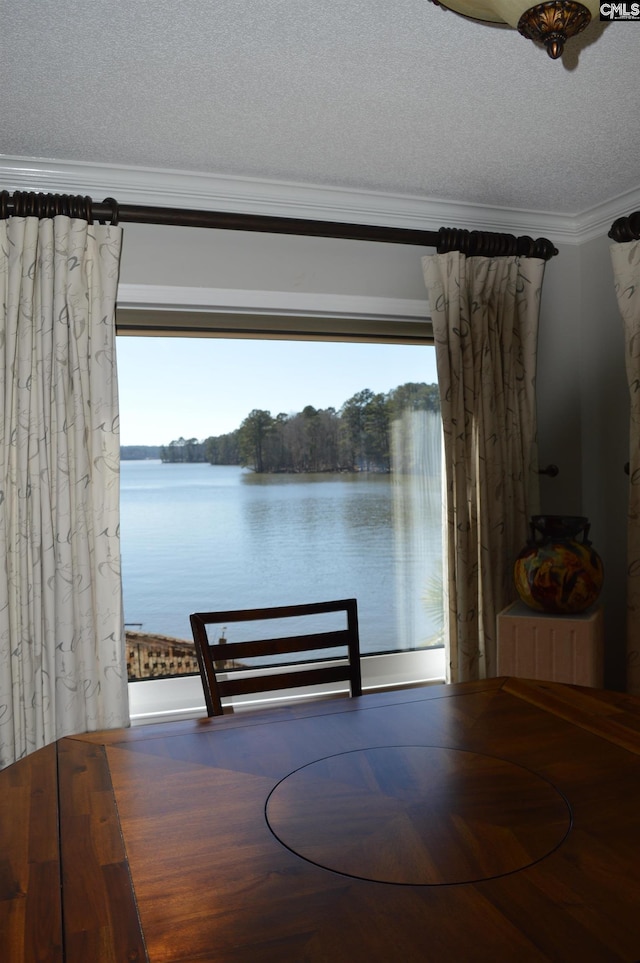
[558, 571]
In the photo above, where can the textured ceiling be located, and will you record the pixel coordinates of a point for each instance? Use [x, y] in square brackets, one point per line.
[401, 97]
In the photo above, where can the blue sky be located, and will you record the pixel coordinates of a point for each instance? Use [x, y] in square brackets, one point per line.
[196, 387]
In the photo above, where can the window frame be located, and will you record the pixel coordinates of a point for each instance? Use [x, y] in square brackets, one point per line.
[145, 311]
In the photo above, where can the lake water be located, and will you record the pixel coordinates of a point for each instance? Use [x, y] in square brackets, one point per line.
[200, 537]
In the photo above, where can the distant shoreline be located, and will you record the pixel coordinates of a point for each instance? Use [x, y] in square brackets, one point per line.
[140, 452]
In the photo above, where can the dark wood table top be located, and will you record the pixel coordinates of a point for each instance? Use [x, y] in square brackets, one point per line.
[489, 821]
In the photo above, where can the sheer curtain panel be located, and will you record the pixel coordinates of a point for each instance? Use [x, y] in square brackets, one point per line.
[485, 320]
[626, 270]
[62, 660]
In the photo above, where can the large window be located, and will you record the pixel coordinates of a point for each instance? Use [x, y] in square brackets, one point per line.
[266, 472]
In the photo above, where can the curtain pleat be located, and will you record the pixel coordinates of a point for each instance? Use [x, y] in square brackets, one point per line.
[62, 659]
[626, 269]
[485, 315]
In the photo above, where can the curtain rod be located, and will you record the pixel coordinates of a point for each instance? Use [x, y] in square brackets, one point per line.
[482, 243]
[626, 228]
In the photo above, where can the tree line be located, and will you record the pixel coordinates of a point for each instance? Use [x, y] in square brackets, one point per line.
[356, 437]
[139, 452]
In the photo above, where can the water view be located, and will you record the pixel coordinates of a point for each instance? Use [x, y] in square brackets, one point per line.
[200, 537]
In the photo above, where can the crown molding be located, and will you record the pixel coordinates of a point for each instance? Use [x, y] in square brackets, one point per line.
[597, 221]
[198, 191]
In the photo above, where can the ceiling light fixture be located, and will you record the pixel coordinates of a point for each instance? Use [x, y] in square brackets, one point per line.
[549, 23]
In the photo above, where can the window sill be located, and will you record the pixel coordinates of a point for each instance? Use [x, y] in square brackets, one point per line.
[166, 700]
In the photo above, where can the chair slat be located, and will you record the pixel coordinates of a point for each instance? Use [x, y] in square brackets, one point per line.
[276, 611]
[284, 680]
[298, 643]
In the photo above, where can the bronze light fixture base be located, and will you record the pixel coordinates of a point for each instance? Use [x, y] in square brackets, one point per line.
[553, 23]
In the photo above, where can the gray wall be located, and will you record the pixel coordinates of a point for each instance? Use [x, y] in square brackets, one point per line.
[558, 385]
[583, 418]
[605, 440]
[268, 262]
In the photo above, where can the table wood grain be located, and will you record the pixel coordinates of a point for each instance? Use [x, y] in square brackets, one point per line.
[486, 821]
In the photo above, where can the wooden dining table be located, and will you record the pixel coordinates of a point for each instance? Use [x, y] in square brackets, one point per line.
[486, 821]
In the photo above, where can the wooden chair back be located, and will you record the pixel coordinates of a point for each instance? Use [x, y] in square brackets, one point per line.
[225, 671]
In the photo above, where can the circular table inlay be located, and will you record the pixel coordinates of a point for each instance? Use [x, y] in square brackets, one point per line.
[419, 815]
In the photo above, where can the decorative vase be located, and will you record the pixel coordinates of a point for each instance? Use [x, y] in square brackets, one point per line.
[558, 571]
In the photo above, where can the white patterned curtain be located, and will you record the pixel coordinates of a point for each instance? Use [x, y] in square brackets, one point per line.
[626, 270]
[485, 320]
[62, 659]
